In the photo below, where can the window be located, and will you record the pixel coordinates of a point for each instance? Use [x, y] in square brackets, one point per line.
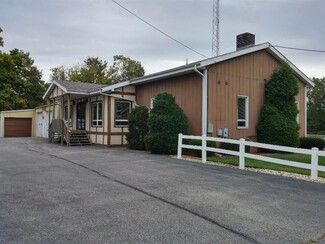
[297, 117]
[242, 112]
[151, 102]
[66, 113]
[97, 114]
[122, 110]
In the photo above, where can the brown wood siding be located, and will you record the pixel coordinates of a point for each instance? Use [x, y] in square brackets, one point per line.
[187, 90]
[244, 75]
[18, 127]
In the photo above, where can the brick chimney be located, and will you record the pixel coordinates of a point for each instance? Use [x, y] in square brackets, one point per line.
[245, 40]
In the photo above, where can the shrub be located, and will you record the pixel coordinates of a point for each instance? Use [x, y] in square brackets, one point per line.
[310, 142]
[233, 147]
[166, 121]
[138, 128]
[196, 142]
[276, 128]
[278, 116]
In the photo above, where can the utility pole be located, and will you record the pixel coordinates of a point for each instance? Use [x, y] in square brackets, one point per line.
[215, 29]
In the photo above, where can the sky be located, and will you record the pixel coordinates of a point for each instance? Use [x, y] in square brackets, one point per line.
[66, 32]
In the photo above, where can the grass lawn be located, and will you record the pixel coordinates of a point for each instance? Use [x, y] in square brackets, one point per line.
[253, 163]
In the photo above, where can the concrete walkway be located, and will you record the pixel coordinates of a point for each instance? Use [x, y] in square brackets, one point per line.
[56, 194]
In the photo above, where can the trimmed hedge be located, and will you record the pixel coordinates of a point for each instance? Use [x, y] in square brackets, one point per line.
[278, 115]
[310, 142]
[166, 120]
[196, 142]
[138, 128]
[275, 128]
[233, 147]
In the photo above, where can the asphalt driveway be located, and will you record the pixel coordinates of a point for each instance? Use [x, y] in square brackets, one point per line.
[56, 194]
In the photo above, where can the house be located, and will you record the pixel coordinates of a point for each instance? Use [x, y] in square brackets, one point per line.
[25, 122]
[221, 96]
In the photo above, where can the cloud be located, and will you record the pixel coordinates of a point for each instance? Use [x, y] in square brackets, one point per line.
[64, 32]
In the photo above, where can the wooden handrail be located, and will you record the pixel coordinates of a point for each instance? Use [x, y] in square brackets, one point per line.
[65, 132]
[59, 126]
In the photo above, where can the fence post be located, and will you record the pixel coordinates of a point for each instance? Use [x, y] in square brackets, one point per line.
[241, 153]
[179, 148]
[314, 163]
[204, 148]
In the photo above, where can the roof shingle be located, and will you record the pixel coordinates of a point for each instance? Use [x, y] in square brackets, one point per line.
[79, 86]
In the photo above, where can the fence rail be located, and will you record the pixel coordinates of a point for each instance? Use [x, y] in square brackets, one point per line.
[314, 153]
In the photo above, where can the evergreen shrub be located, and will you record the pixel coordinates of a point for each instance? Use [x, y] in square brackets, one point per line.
[138, 128]
[310, 142]
[166, 121]
[278, 115]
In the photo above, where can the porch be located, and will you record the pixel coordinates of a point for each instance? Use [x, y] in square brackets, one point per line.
[59, 132]
[83, 115]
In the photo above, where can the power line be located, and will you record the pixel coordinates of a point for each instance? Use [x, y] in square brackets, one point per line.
[301, 49]
[157, 29]
[193, 50]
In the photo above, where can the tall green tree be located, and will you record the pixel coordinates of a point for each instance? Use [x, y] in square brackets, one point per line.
[125, 68]
[95, 70]
[316, 107]
[59, 73]
[278, 123]
[20, 81]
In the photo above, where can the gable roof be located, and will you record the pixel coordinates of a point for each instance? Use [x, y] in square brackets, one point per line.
[92, 89]
[73, 87]
[200, 65]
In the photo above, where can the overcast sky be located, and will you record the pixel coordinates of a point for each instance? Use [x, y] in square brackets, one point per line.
[65, 32]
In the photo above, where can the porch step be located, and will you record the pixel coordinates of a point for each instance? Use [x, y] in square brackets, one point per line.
[56, 137]
[79, 138]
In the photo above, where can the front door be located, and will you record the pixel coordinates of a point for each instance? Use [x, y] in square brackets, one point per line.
[81, 116]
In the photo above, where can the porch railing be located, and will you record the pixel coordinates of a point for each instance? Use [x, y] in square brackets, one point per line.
[59, 127]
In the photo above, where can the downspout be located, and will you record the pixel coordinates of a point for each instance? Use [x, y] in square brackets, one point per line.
[204, 99]
[305, 104]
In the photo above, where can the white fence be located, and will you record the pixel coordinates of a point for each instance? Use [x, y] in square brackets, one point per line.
[314, 152]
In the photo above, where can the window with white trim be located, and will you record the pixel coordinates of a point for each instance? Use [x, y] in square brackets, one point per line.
[122, 110]
[97, 114]
[151, 102]
[66, 113]
[242, 111]
[297, 117]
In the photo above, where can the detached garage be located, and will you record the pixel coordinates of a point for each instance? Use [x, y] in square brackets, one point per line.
[18, 127]
[17, 123]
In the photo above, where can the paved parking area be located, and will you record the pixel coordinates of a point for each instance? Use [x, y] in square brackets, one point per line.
[56, 194]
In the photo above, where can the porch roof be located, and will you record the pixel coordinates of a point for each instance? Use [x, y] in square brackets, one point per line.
[73, 87]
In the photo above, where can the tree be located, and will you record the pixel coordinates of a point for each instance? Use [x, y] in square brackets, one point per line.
[166, 121]
[21, 86]
[59, 73]
[95, 70]
[124, 68]
[278, 123]
[316, 107]
[138, 127]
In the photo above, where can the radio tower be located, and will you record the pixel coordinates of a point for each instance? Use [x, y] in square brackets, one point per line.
[215, 29]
